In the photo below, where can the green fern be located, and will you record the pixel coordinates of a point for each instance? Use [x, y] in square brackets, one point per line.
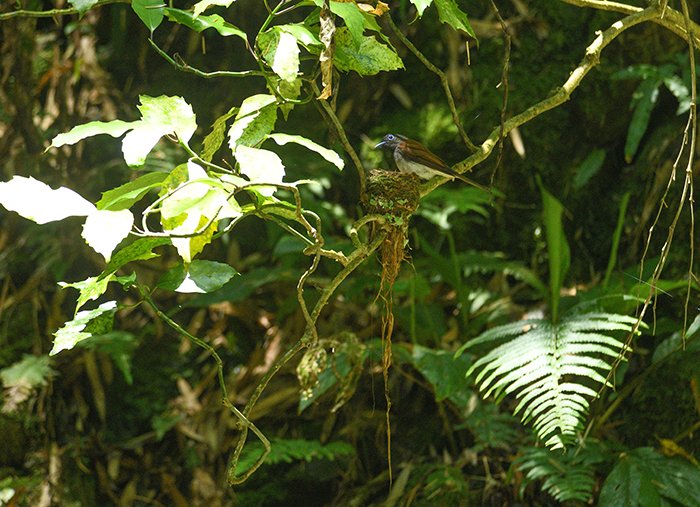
[553, 370]
[566, 476]
[289, 450]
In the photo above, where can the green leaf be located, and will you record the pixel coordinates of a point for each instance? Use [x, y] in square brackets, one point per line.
[589, 168]
[139, 250]
[255, 120]
[82, 6]
[444, 372]
[302, 34]
[371, 57]
[201, 23]
[421, 5]
[203, 5]
[645, 477]
[352, 15]
[90, 288]
[200, 276]
[289, 450]
[30, 372]
[149, 11]
[329, 155]
[280, 51]
[126, 195]
[643, 101]
[566, 476]
[39, 202]
[215, 138]
[84, 324]
[557, 246]
[451, 14]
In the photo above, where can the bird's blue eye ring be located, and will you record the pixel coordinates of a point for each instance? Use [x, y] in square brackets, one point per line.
[390, 137]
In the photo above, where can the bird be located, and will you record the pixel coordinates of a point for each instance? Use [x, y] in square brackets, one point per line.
[412, 157]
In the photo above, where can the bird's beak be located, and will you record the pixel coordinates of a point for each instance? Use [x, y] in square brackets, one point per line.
[380, 145]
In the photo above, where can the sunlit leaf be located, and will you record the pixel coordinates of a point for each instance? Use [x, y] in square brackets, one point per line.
[76, 330]
[371, 57]
[37, 201]
[139, 250]
[301, 33]
[203, 5]
[261, 166]
[201, 23]
[329, 155]
[421, 5]
[216, 137]
[104, 230]
[160, 116]
[128, 194]
[254, 121]
[281, 52]
[114, 128]
[90, 289]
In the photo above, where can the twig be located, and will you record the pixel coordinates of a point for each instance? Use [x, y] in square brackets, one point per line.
[55, 12]
[355, 259]
[504, 82]
[443, 80]
[243, 419]
[181, 65]
[671, 19]
[561, 95]
[340, 131]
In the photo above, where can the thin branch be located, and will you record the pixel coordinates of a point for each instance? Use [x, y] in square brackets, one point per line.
[561, 95]
[55, 12]
[355, 259]
[243, 419]
[670, 18]
[443, 80]
[340, 131]
[184, 67]
[504, 82]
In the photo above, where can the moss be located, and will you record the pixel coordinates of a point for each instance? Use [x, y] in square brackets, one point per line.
[392, 194]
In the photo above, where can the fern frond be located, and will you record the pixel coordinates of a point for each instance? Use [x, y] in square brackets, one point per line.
[566, 477]
[553, 370]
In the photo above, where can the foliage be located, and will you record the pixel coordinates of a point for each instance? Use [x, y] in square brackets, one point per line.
[224, 280]
[566, 476]
[541, 363]
[645, 477]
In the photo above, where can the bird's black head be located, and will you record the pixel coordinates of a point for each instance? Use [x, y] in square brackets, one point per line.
[390, 141]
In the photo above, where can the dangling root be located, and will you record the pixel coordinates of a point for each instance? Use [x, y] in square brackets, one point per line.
[395, 196]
